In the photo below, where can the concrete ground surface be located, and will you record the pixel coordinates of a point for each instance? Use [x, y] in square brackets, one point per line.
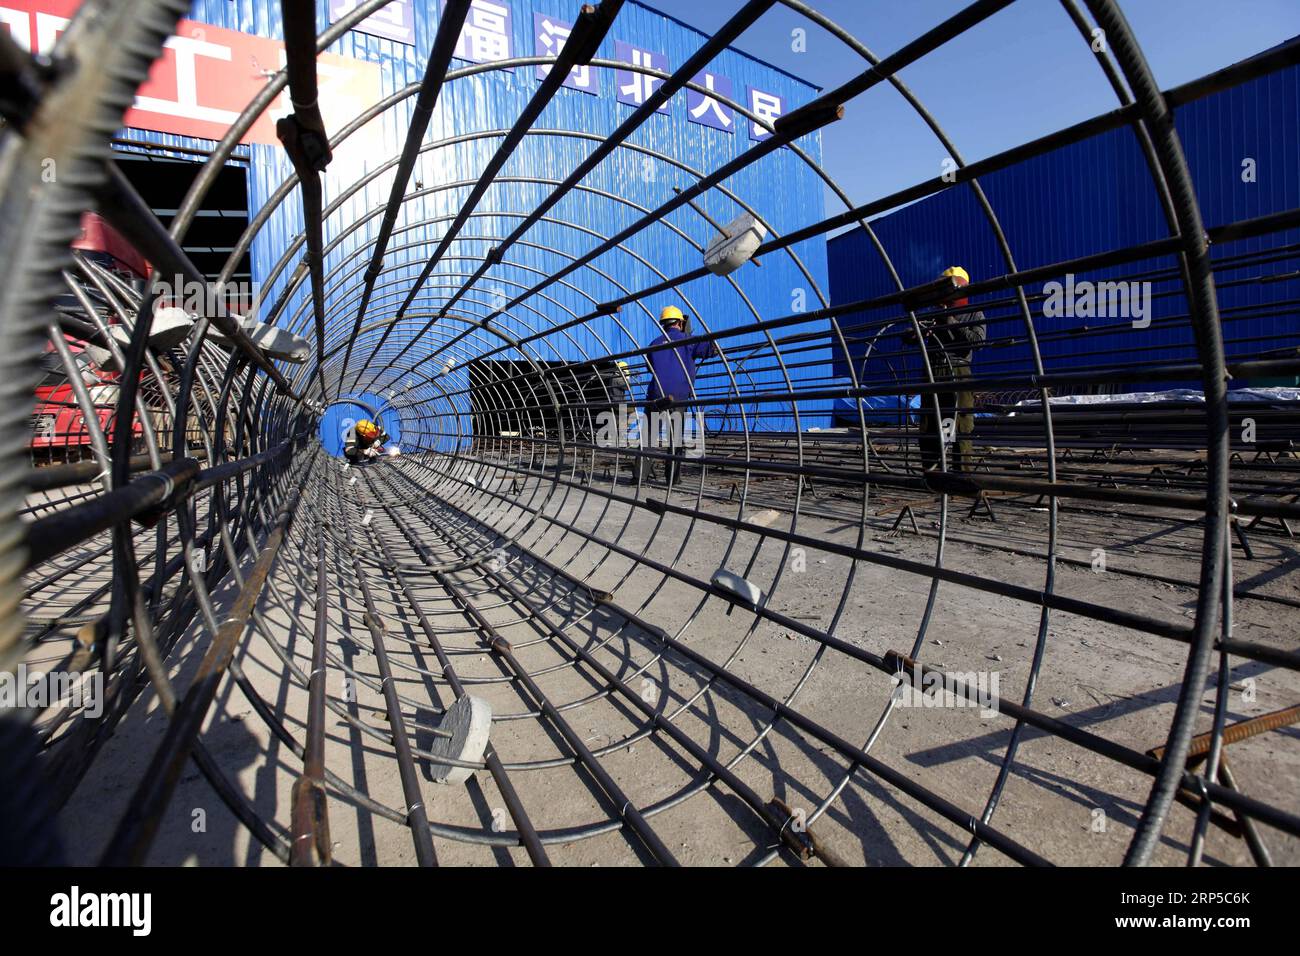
[1064, 802]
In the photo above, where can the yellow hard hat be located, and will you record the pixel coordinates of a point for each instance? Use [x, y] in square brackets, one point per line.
[957, 272]
[671, 314]
[367, 429]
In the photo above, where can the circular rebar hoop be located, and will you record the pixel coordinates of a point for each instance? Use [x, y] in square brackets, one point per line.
[788, 632]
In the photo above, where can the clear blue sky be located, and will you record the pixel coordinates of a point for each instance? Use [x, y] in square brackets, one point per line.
[1022, 73]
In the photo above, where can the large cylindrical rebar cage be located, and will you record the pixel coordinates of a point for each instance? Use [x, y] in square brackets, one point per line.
[868, 560]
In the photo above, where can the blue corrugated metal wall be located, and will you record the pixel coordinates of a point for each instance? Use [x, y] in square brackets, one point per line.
[492, 101]
[1088, 198]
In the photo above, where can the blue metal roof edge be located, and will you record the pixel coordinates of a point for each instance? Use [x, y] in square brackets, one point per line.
[748, 56]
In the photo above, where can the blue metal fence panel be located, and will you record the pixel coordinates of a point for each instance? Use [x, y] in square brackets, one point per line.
[666, 152]
[1087, 198]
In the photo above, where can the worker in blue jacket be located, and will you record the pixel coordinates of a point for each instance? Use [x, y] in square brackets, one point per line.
[673, 379]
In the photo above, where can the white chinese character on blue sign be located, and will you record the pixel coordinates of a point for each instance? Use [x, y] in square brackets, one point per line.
[485, 37]
[633, 87]
[766, 106]
[549, 36]
[704, 109]
[396, 21]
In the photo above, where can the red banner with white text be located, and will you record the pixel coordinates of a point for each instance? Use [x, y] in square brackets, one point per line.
[206, 75]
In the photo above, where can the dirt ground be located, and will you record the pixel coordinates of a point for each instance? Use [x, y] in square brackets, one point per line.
[1061, 801]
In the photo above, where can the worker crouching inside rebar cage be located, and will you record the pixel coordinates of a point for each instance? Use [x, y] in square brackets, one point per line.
[950, 338]
[364, 441]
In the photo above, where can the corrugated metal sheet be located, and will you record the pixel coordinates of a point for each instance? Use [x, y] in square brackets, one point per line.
[1088, 198]
[158, 143]
[625, 185]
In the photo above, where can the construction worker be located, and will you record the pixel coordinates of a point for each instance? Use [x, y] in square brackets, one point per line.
[618, 382]
[673, 380]
[950, 338]
[363, 441]
[620, 426]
